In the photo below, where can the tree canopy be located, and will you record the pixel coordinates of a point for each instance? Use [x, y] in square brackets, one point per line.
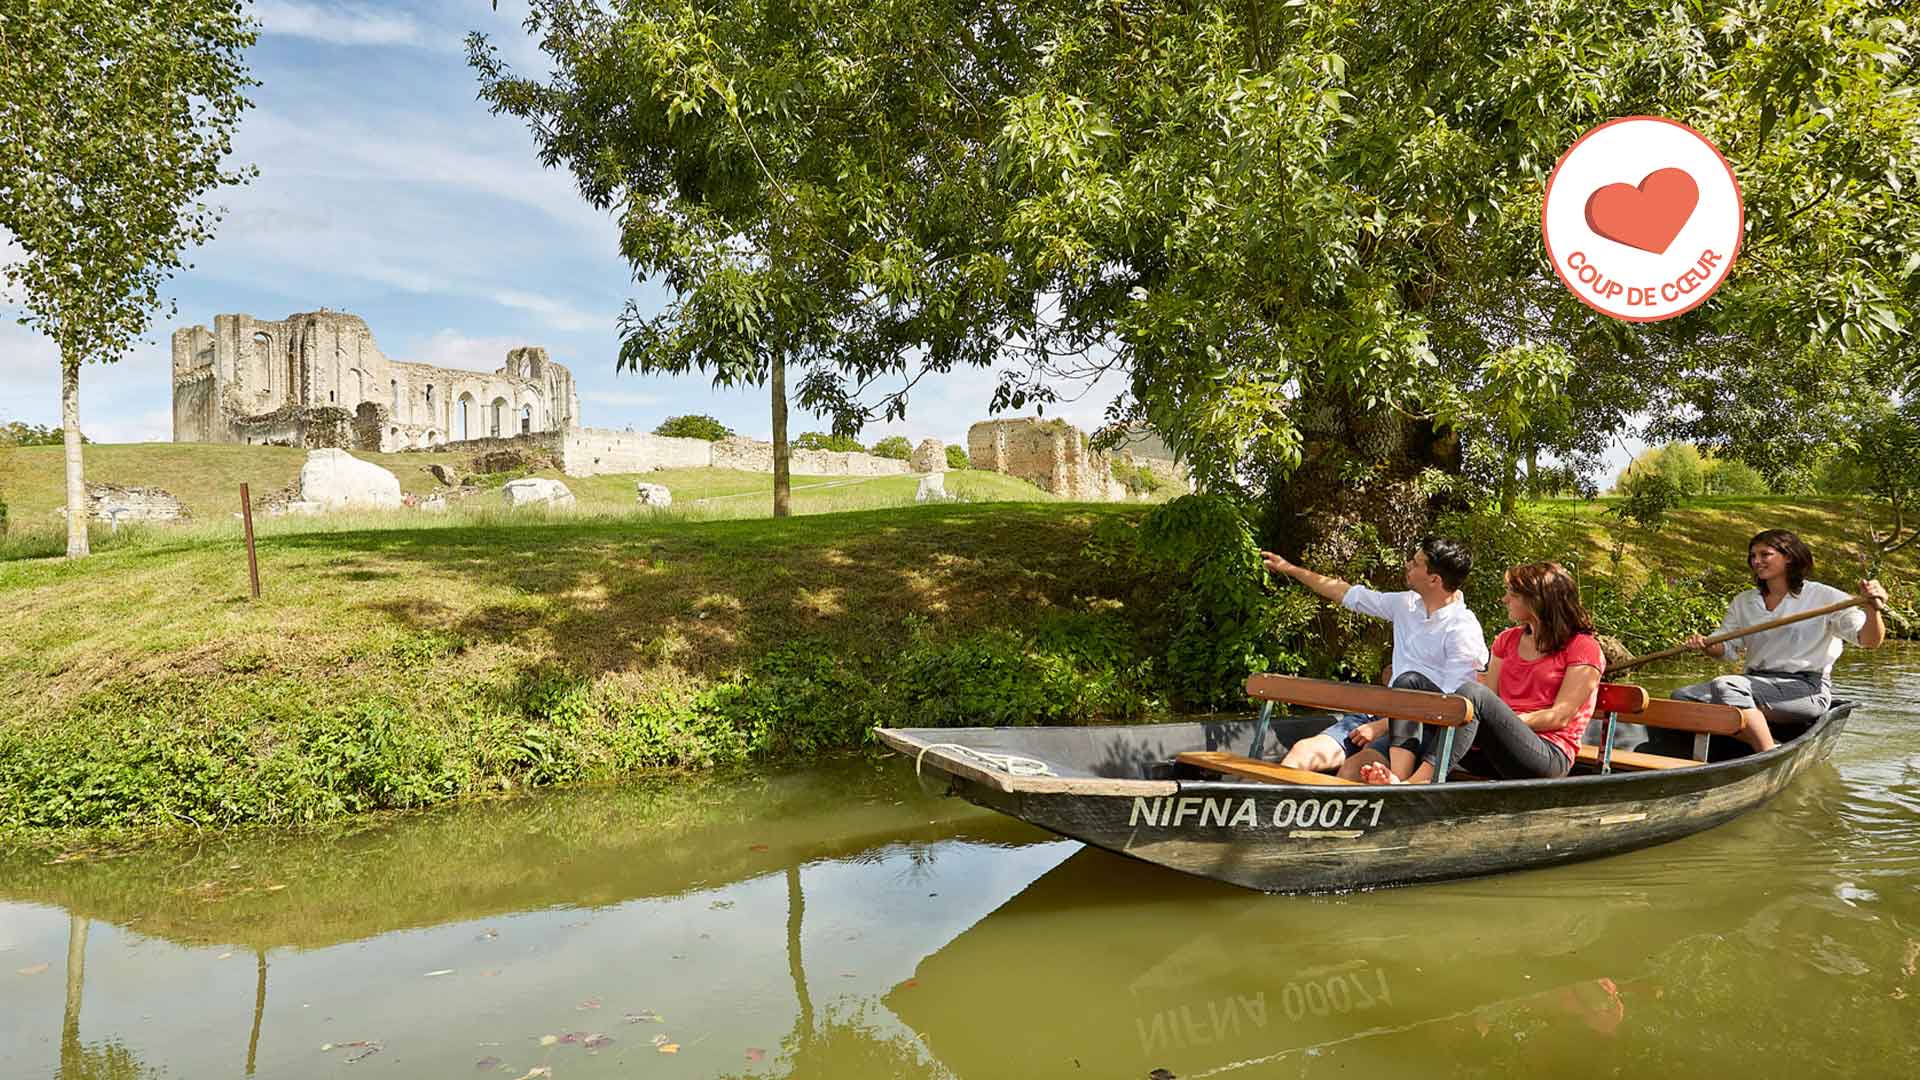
[1301, 232]
[116, 117]
[694, 426]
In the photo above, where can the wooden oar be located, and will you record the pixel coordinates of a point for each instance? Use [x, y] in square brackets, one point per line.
[1857, 601]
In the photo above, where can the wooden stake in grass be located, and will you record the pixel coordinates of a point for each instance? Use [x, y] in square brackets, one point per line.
[253, 562]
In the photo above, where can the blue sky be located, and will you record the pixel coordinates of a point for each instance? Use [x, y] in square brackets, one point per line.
[387, 190]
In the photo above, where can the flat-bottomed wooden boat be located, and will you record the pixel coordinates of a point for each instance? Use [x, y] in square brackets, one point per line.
[1183, 795]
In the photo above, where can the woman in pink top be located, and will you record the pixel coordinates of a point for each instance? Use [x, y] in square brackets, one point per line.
[1534, 699]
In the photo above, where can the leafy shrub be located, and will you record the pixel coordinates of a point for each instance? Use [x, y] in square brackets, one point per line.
[1650, 497]
[957, 458]
[814, 440]
[893, 446]
[1138, 479]
[694, 426]
[1220, 619]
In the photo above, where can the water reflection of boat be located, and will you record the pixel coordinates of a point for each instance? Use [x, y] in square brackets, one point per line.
[1120, 788]
[1105, 968]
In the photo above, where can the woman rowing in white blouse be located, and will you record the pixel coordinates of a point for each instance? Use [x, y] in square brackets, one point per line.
[1788, 670]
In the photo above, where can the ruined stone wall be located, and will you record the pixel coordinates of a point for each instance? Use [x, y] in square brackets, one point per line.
[594, 451]
[249, 379]
[1050, 454]
[749, 455]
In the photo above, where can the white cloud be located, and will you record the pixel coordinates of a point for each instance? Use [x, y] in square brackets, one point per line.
[346, 24]
[450, 348]
[555, 313]
[624, 399]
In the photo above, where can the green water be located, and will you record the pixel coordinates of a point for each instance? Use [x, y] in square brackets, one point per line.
[840, 922]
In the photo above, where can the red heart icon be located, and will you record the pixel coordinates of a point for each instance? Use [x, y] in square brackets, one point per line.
[1647, 217]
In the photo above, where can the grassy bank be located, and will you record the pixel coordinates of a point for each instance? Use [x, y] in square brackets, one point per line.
[401, 659]
[391, 666]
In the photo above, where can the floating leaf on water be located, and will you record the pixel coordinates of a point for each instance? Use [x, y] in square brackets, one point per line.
[647, 1015]
[537, 1072]
[442, 971]
[367, 1050]
[659, 1040]
[487, 935]
[32, 969]
[324, 1047]
[1161, 1074]
[549, 1040]
[721, 905]
[754, 1053]
[596, 1041]
[487, 1064]
[669, 1048]
[757, 847]
[224, 956]
[590, 1003]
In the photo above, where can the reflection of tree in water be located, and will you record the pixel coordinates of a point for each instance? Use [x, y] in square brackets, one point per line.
[78, 1061]
[843, 1042]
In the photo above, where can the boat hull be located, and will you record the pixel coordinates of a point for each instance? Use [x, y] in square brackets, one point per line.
[1298, 839]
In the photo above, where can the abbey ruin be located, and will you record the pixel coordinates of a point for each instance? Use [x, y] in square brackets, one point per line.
[316, 379]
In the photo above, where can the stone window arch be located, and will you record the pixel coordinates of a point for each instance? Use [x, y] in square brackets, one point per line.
[526, 419]
[263, 348]
[498, 417]
[396, 397]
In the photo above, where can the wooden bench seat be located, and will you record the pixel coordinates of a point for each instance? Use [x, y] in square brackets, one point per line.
[1634, 759]
[1219, 761]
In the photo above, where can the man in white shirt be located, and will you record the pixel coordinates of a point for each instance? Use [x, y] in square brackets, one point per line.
[1437, 645]
[1789, 669]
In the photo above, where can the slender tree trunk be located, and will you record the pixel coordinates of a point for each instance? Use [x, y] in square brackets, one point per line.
[1533, 466]
[782, 489]
[76, 989]
[1509, 480]
[78, 510]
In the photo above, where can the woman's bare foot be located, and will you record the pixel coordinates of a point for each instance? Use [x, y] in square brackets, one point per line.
[1375, 773]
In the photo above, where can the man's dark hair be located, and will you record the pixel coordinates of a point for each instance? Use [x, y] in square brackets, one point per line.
[1799, 557]
[1447, 558]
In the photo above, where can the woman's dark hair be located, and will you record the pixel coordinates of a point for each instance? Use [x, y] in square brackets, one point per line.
[1447, 558]
[1799, 557]
[1555, 599]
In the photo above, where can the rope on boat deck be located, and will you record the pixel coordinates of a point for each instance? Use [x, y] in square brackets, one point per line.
[1012, 764]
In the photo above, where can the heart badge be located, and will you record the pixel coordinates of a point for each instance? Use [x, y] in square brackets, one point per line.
[1647, 217]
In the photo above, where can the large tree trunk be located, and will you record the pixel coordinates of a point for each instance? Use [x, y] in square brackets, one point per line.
[1510, 483]
[79, 511]
[1357, 486]
[782, 490]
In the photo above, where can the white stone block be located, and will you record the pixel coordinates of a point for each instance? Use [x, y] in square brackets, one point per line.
[653, 494]
[933, 488]
[537, 491]
[337, 480]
